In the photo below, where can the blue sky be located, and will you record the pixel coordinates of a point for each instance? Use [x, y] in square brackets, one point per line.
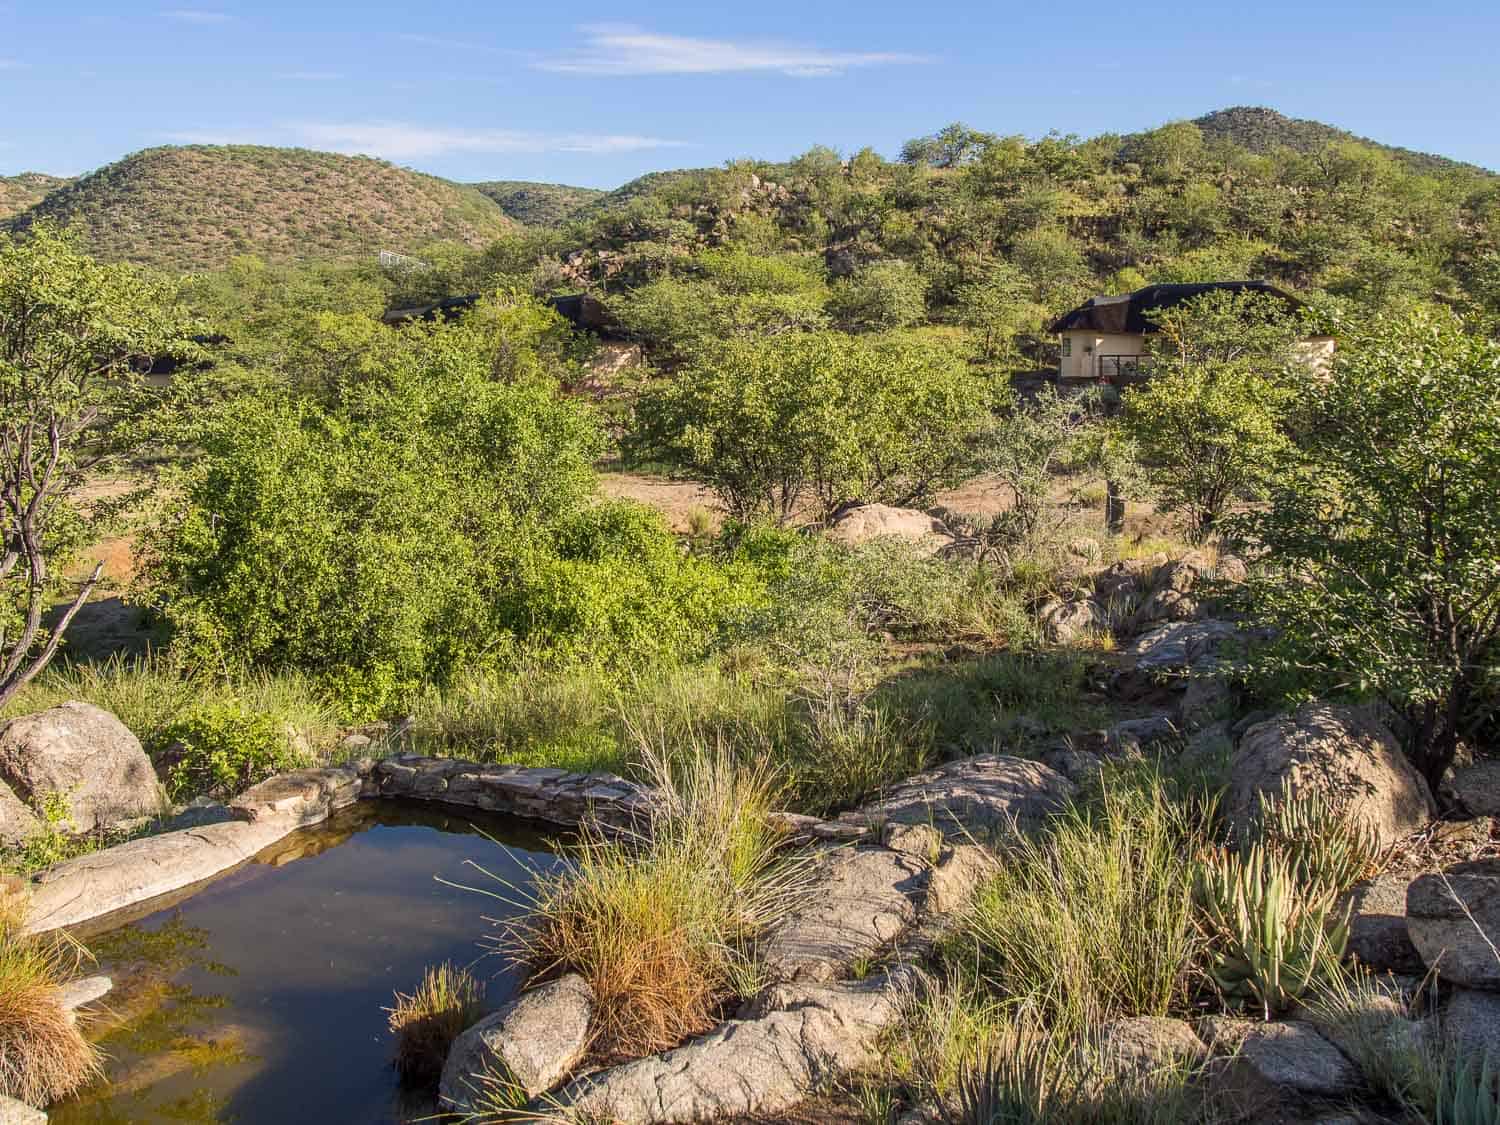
[595, 94]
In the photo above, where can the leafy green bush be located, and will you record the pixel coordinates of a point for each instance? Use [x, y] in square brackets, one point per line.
[815, 418]
[219, 750]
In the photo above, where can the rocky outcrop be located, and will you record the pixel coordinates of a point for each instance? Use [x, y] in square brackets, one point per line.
[880, 521]
[1453, 918]
[531, 1043]
[83, 755]
[1286, 1056]
[17, 821]
[1378, 936]
[857, 901]
[1172, 594]
[802, 1036]
[979, 796]
[1338, 752]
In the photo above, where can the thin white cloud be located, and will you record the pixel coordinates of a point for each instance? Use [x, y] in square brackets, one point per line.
[404, 141]
[201, 16]
[612, 50]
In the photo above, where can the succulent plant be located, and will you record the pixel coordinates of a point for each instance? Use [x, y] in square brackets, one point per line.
[1270, 937]
[1325, 850]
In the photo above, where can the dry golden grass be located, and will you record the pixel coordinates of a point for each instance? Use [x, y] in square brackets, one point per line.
[446, 1004]
[43, 1056]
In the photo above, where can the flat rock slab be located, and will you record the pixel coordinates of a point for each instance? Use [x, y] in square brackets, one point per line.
[1454, 921]
[762, 1066]
[532, 1041]
[1289, 1055]
[93, 885]
[1177, 646]
[1144, 1045]
[974, 797]
[859, 901]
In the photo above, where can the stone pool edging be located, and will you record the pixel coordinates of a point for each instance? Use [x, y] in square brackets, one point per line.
[118, 879]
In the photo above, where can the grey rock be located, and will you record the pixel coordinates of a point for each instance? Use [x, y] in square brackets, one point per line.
[1207, 700]
[1338, 752]
[1477, 788]
[75, 994]
[197, 813]
[805, 1037]
[973, 796]
[1063, 622]
[13, 1112]
[1131, 737]
[920, 841]
[1377, 925]
[1166, 648]
[1143, 1045]
[1470, 1023]
[1290, 1055]
[533, 1041]
[1453, 919]
[958, 875]
[86, 756]
[1078, 766]
[307, 796]
[858, 901]
[17, 822]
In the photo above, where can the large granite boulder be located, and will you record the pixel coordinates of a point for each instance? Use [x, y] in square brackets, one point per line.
[1471, 1023]
[84, 755]
[982, 795]
[881, 521]
[532, 1042]
[1287, 1056]
[17, 821]
[1477, 788]
[1453, 918]
[1063, 622]
[1141, 1046]
[1338, 752]
[749, 1069]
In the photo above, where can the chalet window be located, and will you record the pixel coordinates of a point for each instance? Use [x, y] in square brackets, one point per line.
[1067, 346]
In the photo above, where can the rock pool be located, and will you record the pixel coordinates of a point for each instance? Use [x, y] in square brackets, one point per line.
[260, 998]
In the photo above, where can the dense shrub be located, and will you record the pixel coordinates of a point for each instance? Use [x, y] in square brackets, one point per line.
[820, 419]
[220, 749]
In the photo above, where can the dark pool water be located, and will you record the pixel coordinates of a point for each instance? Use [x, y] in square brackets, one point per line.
[259, 999]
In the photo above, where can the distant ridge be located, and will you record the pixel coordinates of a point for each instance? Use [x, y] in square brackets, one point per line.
[195, 207]
[537, 204]
[1261, 129]
[17, 193]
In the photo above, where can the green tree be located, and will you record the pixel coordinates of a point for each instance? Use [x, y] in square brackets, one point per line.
[1031, 444]
[882, 295]
[1382, 534]
[817, 418]
[1209, 424]
[74, 336]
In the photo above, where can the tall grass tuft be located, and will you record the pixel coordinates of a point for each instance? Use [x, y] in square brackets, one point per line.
[446, 1003]
[43, 1057]
[1092, 920]
[661, 924]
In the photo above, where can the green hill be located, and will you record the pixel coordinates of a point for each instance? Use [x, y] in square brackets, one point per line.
[1263, 130]
[538, 205]
[17, 193]
[195, 207]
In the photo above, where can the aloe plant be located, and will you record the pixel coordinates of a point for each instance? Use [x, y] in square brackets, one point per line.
[1269, 937]
[1468, 1093]
[1324, 849]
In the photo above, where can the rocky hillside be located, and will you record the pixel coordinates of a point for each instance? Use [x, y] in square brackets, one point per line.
[195, 207]
[1263, 130]
[17, 193]
[539, 205]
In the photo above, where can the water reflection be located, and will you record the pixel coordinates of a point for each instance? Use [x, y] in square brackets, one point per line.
[260, 998]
